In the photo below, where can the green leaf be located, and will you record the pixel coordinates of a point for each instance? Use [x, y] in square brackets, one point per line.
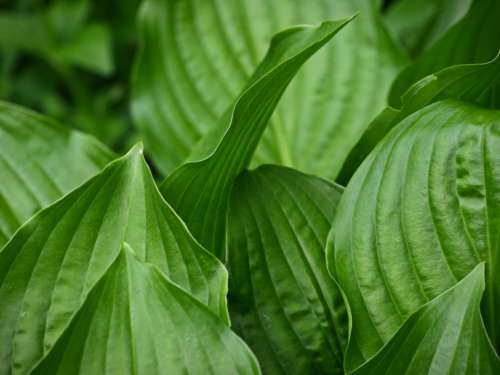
[199, 191]
[136, 321]
[53, 261]
[470, 41]
[446, 336]
[419, 214]
[283, 302]
[40, 161]
[417, 24]
[473, 83]
[197, 56]
[90, 49]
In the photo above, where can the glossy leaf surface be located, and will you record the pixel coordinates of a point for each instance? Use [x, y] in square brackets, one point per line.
[446, 336]
[136, 321]
[53, 261]
[418, 215]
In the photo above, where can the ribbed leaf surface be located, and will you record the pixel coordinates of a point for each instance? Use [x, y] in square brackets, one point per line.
[471, 83]
[55, 258]
[136, 321]
[198, 55]
[446, 336]
[40, 160]
[199, 191]
[418, 215]
[282, 300]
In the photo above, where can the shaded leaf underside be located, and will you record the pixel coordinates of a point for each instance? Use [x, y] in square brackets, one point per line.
[282, 300]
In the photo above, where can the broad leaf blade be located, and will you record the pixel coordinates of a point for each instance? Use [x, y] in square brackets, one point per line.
[40, 161]
[283, 302]
[471, 83]
[197, 56]
[199, 191]
[52, 262]
[446, 336]
[472, 40]
[418, 215]
[135, 321]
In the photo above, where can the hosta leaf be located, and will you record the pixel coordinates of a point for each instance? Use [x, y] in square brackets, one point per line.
[446, 336]
[199, 191]
[472, 40]
[471, 83]
[136, 321]
[196, 57]
[418, 215]
[40, 160]
[417, 24]
[51, 263]
[283, 302]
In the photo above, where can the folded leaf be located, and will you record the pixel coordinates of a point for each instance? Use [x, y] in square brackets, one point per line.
[199, 191]
[471, 83]
[136, 321]
[52, 262]
[282, 300]
[40, 160]
[446, 336]
[472, 40]
[197, 56]
[419, 214]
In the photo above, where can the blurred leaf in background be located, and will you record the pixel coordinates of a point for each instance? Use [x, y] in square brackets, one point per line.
[71, 59]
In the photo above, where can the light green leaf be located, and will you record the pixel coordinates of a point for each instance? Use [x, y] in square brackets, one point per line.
[196, 56]
[472, 40]
[283, 302]
[53, 261]
[136, 321]
[419, 214]
[199, 191]
[40, 160]
[473, 83]
[417, 24]
[446, 336]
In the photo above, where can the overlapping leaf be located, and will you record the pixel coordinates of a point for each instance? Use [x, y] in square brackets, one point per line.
[417, 24]
[40, 160]
[53, 261]
[472, 83]
[472, 40]
[418, 215]
[198, 55]
[136, 321]
[446, 336]
[283, 302]
[199, 191]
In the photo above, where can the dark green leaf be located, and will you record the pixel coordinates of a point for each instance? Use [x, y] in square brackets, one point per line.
[417, 24]
[40, 161]
[419, 214]
[472, 40]
[53, 261]
[282, 300]
[446, 336]
[136, 321]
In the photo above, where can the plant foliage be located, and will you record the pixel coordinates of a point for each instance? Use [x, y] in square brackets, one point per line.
[313, 196]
